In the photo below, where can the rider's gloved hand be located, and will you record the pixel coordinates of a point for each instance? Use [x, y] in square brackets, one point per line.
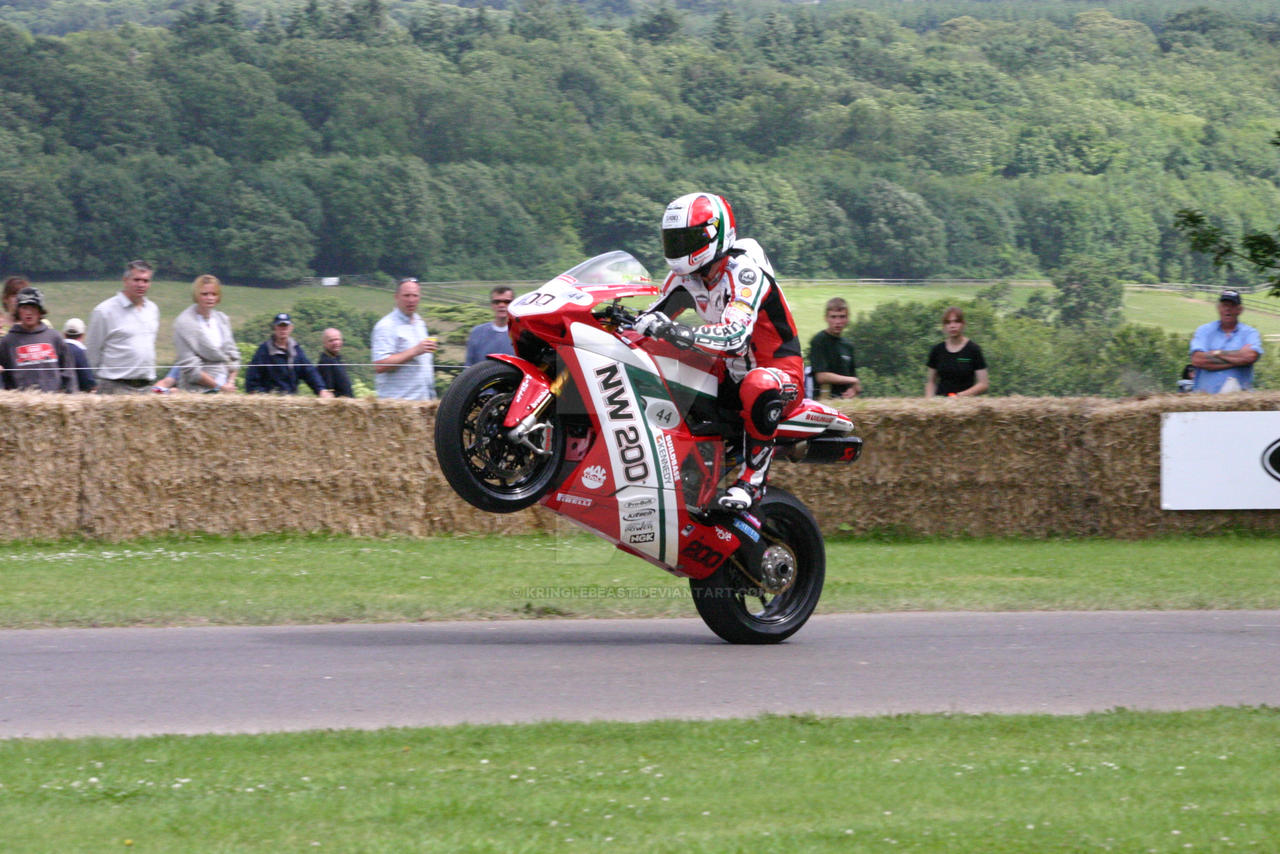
[658, 325]
[648, 324]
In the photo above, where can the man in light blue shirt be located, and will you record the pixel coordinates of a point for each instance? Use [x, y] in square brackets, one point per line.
[1223, 352]
[402, 351]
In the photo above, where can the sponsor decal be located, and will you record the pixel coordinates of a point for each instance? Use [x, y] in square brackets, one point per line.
[701, 553]
[667, 459]
[34, 354]
[723, 534]
[747, 277]
[566, 498]
[633, 539]
[636, 515]
[745, 294]
[686, 530]
[614, 392]
[635, 468]
[640, 503]
[593, 477]
[750, 532]
[635, 527]
[703, 302]
[1271, 459]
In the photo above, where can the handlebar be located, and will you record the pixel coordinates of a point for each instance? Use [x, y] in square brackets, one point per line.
[616, 314]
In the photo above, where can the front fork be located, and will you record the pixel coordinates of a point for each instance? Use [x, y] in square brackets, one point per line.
[524, 416]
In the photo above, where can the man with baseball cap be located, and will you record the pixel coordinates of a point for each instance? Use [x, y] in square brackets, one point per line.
[280, 364]
[33, 354]
[73, 330]
[1223, 352]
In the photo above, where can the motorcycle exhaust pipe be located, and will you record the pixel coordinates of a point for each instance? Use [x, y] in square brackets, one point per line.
[829, 449]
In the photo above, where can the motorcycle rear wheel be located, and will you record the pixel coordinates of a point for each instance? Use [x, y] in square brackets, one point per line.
[738, 608]
[481, 463]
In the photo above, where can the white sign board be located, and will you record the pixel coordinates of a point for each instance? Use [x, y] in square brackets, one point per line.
[1220, 461]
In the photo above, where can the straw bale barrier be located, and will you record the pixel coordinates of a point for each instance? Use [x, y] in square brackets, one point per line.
[122, 467]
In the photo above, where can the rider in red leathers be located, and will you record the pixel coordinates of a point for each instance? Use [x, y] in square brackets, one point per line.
[730, 284]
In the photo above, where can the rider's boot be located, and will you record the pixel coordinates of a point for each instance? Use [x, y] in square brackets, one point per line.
[750, 486]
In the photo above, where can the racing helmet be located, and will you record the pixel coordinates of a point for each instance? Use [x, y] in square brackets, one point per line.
[697, 229]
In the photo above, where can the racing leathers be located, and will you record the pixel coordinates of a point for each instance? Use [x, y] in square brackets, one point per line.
[745, 321]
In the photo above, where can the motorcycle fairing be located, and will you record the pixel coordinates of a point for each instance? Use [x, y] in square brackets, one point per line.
[627, 487]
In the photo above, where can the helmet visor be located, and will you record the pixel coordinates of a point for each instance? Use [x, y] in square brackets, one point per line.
[679, 242]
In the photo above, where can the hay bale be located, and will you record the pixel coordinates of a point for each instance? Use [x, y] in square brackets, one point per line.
[120, 467]
[990, 467]
[255, 464]
[1123, 440]
[40, 456]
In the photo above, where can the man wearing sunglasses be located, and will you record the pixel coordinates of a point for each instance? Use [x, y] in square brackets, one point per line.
[741, 316]
[492, 337]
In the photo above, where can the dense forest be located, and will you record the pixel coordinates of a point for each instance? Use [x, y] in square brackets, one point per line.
[288, 139]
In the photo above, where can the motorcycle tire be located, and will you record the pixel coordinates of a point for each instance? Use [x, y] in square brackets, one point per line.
[737, 608]
[484, 467]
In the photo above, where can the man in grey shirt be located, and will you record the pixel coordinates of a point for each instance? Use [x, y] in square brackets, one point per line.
[121, 340]
[492, 337]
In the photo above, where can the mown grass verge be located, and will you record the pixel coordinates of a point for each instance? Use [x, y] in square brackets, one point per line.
[314, 579]
[1119, 781]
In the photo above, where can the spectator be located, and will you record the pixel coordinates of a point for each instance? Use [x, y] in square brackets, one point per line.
[402, 351]
[956, 365]
[168, 382]
[1188, 379]
[121, 340]
[33, 354]
[332, 370]
[1223, 351]
[831, 354]
[12, 285]
[208, 358]
[73, 331]
[492, 337]
[280, 364]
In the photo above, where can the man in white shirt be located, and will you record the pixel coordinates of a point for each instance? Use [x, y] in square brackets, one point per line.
[121, 339]
[402, 351]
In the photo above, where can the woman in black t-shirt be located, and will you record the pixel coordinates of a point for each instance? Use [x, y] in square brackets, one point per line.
[956, 366]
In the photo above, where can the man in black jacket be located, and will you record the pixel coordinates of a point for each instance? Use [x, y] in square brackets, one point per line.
[280, 364]
[332, 369]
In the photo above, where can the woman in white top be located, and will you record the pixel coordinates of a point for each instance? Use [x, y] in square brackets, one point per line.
[208, 358]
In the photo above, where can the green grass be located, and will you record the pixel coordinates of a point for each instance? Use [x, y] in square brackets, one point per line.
[1180, 313]
[296, 579]
[1119, 781]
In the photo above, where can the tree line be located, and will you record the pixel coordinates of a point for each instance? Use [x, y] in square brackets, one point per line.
[333, 138]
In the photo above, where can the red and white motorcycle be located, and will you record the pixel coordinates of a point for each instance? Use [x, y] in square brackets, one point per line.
[627, 436]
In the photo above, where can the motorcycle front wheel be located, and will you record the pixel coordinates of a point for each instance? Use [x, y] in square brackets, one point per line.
[745, 604]
[482, 464]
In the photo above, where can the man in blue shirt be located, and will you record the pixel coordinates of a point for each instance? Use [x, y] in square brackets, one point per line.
[492, 337]
[1223, 352]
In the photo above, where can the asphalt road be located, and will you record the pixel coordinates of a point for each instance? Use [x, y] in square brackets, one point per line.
[77, 682]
